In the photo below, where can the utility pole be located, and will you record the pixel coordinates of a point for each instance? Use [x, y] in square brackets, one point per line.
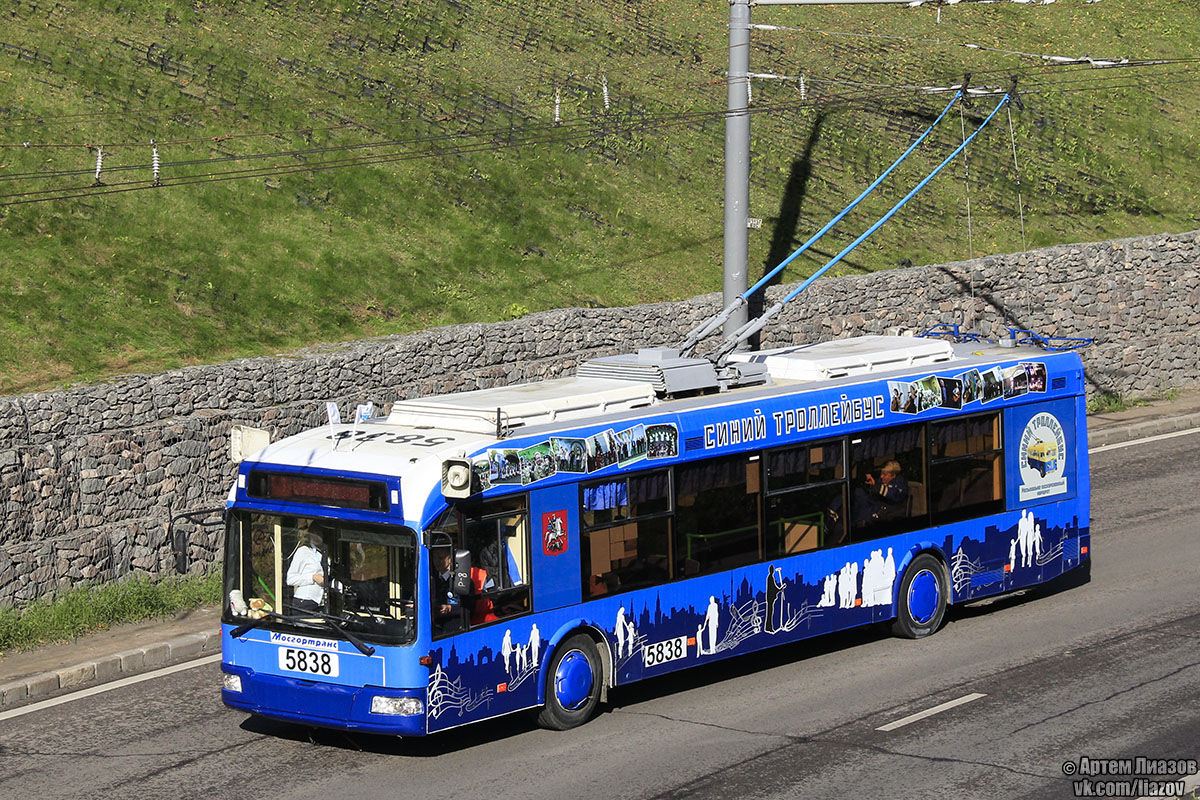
[737, 149]
[737, 164]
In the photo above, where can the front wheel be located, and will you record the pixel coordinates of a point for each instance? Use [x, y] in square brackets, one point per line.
[573, 683]
[924, 593]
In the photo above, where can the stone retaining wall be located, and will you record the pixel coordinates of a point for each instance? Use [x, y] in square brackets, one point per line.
[90, 476]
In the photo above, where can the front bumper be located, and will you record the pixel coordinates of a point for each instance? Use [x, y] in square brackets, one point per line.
[323, 705]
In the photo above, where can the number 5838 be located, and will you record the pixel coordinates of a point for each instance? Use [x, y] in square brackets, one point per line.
[662, 652]
[309, 661]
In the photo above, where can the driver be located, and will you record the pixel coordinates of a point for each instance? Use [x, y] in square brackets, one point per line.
[306, 570]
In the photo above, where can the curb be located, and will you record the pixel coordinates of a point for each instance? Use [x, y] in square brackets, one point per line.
[1137, 430]
[43, 685]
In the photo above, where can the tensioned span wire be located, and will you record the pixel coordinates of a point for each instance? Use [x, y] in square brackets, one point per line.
[643, 124]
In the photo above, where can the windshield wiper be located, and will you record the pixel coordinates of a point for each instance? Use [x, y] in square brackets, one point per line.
[304, 616]
[335, 623]
[242, 629]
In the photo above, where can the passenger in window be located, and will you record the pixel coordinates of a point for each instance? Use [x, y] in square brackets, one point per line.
[497, 570]
[482, 583]
[609, 583]
[505, 573]
[881, 499]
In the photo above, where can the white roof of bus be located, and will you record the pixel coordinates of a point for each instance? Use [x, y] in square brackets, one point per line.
[426, 430]
[521, 405]
[378, 447]
[848, 357]
[550, 401]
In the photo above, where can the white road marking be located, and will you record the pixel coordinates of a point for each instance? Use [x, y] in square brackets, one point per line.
[107, 687]
[1132, 442]
[929, 712]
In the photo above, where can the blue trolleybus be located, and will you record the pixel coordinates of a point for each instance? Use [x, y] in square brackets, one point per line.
[530, 547]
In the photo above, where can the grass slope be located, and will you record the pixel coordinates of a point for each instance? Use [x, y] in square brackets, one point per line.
[389, 166]
[86, 609]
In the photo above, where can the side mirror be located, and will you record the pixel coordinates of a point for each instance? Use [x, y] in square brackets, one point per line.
[461, 585]
[179, 548]
[177, 537]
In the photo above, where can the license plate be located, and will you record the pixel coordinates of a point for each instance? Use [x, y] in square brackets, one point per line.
[662, 652]
[308, 661]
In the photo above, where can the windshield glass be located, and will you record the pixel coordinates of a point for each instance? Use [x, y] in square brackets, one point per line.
[309, 572]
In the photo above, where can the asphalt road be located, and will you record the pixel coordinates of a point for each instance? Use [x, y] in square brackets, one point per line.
[1105, 669]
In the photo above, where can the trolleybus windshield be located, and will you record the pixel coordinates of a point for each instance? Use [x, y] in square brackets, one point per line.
[310, 572]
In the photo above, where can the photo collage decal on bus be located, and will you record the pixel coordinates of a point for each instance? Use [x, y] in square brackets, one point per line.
[968, 387]
[558, 454]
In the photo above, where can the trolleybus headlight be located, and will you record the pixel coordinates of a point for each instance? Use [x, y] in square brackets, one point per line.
[397, 706]
[233, 683]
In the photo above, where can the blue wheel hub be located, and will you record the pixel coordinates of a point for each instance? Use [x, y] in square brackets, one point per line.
[924, 596]
[573, 680]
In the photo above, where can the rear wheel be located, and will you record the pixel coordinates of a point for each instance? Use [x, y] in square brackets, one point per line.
[924, 593]
[573, 684]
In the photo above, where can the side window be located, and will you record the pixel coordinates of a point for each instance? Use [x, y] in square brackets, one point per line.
[253, 571]
[269, 538]
[499, 545]
[496, 534]
[717, 514]
[887, 482]
[806, 492]
[626, 527]
[965, 468]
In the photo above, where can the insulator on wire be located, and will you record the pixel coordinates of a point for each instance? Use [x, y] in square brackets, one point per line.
[557, 106]
[604, 86]
[99, 166]
[154, 162]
